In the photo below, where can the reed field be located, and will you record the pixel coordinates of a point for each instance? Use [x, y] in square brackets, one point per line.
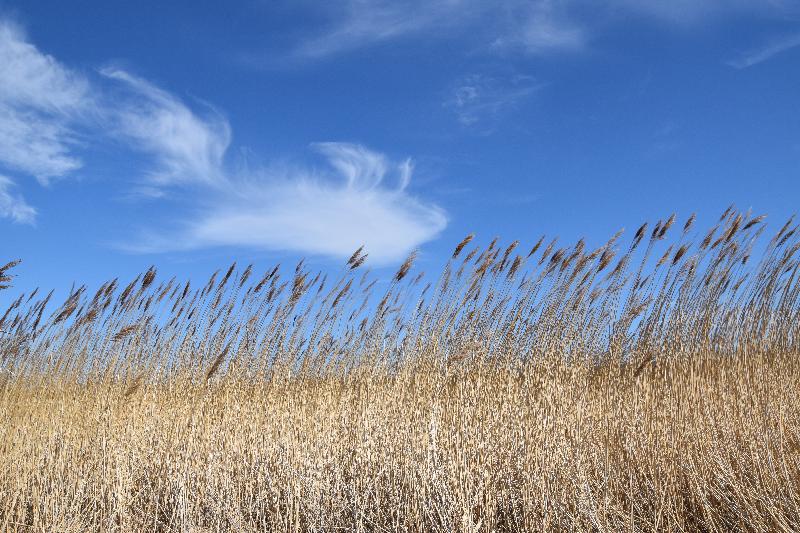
[648, 384]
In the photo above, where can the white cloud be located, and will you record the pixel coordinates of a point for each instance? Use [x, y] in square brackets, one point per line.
[543, 33]
[40, 101]
[357, 23]
[36, 145]
[536, 25]
[360, 199]
[14, 206]
[767, 51]
[186, 148]
[363, 201]
[540, 27]
[533, 26]
[33, 79]
[480, 99]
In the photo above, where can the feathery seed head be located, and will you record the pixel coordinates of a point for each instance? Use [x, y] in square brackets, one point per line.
[463, 244]
[406, 266]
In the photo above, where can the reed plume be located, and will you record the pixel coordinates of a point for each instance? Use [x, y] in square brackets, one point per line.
[608, 386]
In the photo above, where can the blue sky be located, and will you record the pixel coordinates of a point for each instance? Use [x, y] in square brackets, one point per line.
[189, 134]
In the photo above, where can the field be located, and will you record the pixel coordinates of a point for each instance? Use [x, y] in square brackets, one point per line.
[650, 384]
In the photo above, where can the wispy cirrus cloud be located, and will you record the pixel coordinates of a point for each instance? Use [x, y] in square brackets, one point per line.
[40, 104]
[14, 206]
[531, 26]
[480, 100]
[538, 27]
[357, 23]
[766, 51]
[360, 197]
[185, 147]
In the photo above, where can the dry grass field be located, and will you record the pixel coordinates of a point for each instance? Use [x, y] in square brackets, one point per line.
[650, 384]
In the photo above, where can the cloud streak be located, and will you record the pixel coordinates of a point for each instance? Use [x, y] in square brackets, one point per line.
[13, 206]
[185, 147]
[359, 197]
[40, 103]
[535, 26]
[766, 52]
[482, 100]
[360, 23]
[532, 26]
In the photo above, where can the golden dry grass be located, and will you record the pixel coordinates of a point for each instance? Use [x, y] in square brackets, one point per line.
[649, 389]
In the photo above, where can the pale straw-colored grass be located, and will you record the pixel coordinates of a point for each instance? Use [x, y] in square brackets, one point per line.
[647, 386]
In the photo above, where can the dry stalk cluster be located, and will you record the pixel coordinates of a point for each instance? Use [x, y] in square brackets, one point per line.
[640, 386]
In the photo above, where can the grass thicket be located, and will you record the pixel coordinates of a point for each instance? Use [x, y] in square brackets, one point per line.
[649, 384]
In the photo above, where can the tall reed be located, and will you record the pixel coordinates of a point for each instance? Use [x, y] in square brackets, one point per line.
[641, 386]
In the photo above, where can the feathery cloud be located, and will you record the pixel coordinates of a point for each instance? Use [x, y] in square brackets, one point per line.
[13, 206]
[535, 26]
[766, 51]
[362, 200]
[40, 102]
[357, 23]
[532, 26]
[186, 148]
[479, 99]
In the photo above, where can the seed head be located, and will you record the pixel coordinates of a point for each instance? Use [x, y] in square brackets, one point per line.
[463, 244]
[689, 223]
[406, 266]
